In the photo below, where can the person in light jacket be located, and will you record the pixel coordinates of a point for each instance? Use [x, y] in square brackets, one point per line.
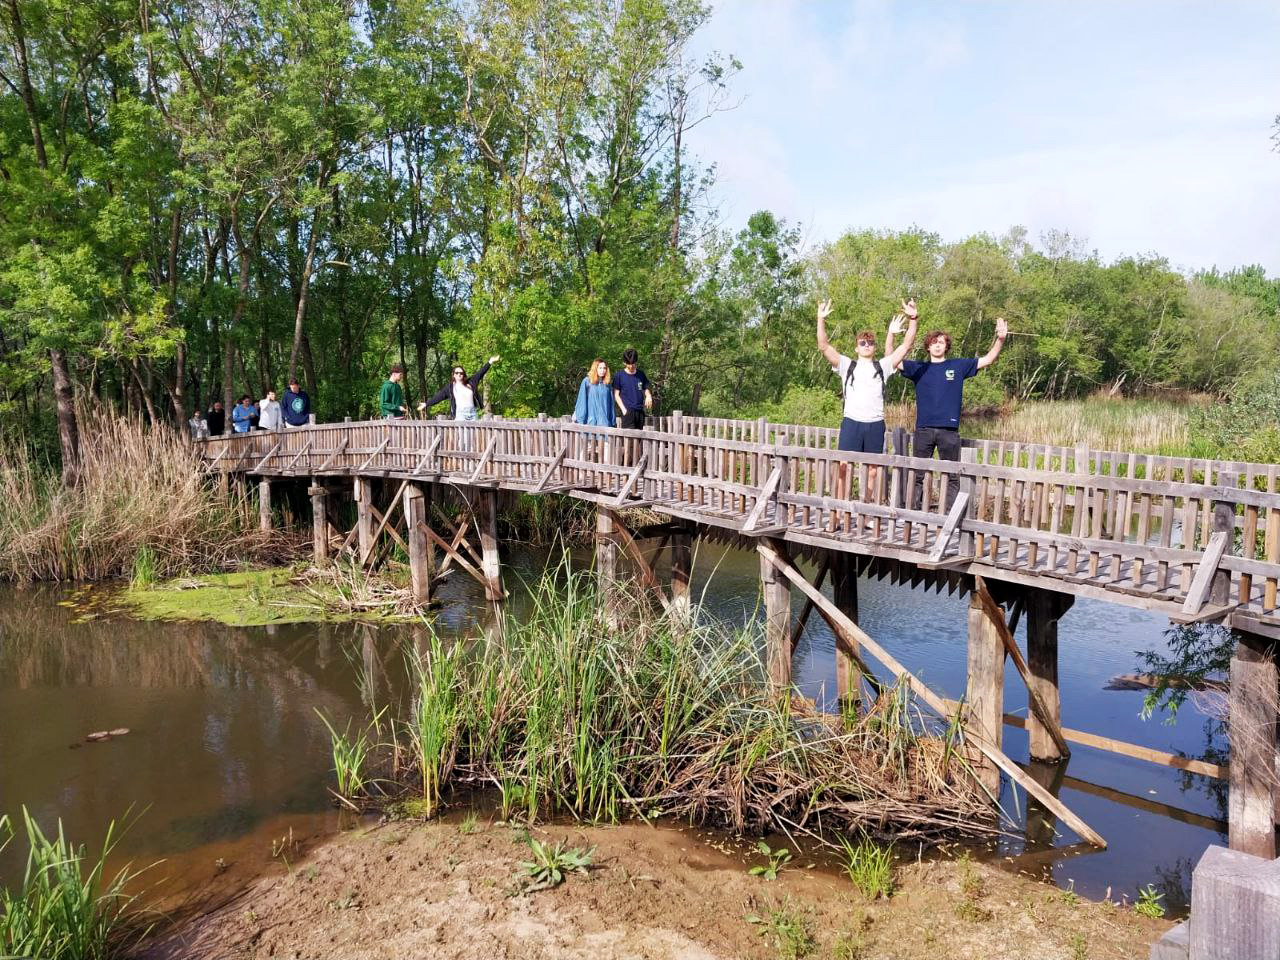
[269, 413]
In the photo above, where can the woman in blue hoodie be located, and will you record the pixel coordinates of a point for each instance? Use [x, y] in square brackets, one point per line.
[595, 407]
[595, 398]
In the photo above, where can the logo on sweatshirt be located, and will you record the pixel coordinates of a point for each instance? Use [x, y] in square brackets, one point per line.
[951, 374]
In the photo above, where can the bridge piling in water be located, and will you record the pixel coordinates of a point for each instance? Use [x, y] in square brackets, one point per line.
[416, 501]
[777, 619]
[1044, 610]
[984, 690]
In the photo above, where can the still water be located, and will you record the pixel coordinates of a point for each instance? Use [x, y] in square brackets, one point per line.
[226, 763]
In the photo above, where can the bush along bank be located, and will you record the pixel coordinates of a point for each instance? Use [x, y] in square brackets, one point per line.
[650, 716]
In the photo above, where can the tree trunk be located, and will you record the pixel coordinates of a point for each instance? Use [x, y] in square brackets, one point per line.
[68, 429]
[303, 287]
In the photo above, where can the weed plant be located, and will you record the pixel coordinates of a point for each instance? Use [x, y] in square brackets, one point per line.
[66, 907]
[551, 864]
[569, 714]
[789, 927]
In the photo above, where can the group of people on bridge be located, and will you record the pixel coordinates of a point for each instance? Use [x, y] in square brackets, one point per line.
[624, 399]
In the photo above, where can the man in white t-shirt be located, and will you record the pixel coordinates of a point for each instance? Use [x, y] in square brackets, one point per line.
[863, 378]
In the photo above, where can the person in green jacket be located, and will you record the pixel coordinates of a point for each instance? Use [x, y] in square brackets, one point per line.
[391, 397]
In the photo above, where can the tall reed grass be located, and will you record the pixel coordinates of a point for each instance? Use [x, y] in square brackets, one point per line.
[1099, 422]
[566, 714]
[143, 510]
[66, 907]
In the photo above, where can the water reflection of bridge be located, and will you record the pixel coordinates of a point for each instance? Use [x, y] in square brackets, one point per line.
[1022, 529]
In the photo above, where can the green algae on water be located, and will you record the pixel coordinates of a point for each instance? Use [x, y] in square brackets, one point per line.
[250, 599]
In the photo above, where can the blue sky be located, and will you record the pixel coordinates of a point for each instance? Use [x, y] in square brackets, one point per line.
[1140, 127]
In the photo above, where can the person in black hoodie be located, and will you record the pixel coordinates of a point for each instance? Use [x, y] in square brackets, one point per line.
[296, 405]
[460, 391]
[216, 418]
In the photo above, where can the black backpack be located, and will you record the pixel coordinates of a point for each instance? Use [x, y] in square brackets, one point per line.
[848, 377]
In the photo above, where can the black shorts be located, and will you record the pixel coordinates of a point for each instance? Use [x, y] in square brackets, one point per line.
[858, 437]
[632, 420]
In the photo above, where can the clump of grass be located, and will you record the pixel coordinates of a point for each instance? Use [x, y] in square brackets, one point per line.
[551, 864]
[143, 508]
[435, 718]
[869, 866]
[66, 907]
[789, 927]
[972, 891]
[350, 757]
[569, 715]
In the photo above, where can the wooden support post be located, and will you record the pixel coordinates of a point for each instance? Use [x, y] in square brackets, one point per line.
[1044, 609]
[319, 523]
[607, 562]
[487, 516]
[777, 613]
[1224, 520]
[681, 570]
[362, 493]
[264, 504]
[420, 549]
[1252, 704]
[985, 691]
[844, 591]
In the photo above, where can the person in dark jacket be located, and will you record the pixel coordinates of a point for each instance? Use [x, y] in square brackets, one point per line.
[460, 391]
[296, 405]
[216, 418]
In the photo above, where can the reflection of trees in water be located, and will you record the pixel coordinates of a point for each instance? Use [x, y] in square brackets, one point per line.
[1174, 881]
[1195, 666]
[42, 644]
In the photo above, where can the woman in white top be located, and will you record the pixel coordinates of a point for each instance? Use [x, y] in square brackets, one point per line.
[460, 391]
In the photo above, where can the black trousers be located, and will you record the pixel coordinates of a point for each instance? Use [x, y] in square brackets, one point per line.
[632, 420]
[946, 442]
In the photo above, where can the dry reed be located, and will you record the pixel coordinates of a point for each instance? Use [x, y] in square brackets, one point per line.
[142, 500]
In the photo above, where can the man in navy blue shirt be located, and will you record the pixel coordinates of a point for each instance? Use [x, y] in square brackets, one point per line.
[631, 392]
[939, 396]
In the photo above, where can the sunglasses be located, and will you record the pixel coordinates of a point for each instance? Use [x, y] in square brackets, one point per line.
[458, 373]
[866, 342]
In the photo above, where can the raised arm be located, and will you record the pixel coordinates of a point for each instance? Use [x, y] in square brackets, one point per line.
[912, 317]
[1002, 331]
[828, 351]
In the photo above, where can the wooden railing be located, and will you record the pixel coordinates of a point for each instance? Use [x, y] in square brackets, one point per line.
[1145, 530]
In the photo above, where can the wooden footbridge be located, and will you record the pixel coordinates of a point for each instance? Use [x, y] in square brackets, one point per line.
[1021, 528]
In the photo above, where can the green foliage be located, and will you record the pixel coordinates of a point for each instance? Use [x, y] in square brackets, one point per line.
[66, 907]
[869, 866]
[1247, 426]
[551, 864]
[1149, 904]
[789, 927]
[777, 860]
[230, 193]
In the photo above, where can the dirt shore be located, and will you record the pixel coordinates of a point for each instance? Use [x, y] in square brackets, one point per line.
[452, 890]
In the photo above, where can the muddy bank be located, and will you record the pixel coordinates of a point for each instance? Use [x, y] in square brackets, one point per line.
[452, 890]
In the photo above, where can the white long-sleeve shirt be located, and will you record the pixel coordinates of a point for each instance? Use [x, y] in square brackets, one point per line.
[269, 414]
